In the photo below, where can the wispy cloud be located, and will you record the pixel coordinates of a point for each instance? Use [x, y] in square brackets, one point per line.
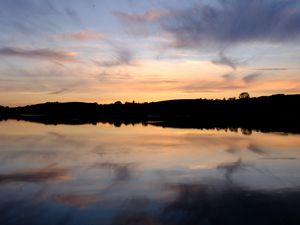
[143, 24]
[225, 60]
[60, 91]
[112, 77]
[82, 35]
[228, 77]
[273, 69]
[251, 77]
[146, 17]
[122, 57]
[48, 79]
[279, 158]
[46, 54]
[210, 86]
[30, 17]
[72, 15]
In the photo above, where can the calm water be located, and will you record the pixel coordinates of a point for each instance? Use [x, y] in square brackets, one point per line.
[101, 174]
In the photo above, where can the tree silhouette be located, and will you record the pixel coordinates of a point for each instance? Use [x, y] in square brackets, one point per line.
[118, 103]
[244, 95]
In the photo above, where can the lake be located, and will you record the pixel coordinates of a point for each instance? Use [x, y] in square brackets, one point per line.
[138, 174]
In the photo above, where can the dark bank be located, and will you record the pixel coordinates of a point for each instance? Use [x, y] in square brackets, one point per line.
[266, 113]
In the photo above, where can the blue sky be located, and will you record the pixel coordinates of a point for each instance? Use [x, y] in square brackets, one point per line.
[104, 51]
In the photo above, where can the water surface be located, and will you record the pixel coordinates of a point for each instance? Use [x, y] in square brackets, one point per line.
[102, 174]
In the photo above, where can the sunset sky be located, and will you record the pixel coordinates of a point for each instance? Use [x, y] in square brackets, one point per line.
[108, 50]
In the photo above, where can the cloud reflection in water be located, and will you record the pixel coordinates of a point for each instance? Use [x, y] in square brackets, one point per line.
[146, 175]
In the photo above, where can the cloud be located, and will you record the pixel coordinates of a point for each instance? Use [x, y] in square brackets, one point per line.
[143, 24]
[29, 18]
[122, 57]
[72, 15]
[210, 86]
[60, 91]
[29, 7]
[112, 77]
[273, 69]
[47, 79]
[251, 77]
[83, 35]
[229, 22]
[226, 61]
[46, 54]
[228, 77]
[146, 17]
[279, 158]
[35, 176]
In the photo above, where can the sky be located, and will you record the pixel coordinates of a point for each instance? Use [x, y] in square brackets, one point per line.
[136, 50]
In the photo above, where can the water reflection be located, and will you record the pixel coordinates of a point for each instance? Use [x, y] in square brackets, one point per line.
[146, 175]
[211, 204]
[34, 176]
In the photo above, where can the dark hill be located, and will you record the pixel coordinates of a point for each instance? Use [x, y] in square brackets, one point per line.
[267, 111]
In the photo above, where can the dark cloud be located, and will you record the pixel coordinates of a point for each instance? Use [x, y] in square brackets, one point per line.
[228, 22]
[279, 158]
[122, 57]
[48, 54]
[251, 77]
[273, 69]
[63, 90]
[35, 176]
[225, 60]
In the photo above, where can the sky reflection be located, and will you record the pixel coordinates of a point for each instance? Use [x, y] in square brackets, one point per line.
[101, 174]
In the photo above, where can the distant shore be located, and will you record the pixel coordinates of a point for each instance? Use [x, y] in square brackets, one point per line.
[277, 112]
